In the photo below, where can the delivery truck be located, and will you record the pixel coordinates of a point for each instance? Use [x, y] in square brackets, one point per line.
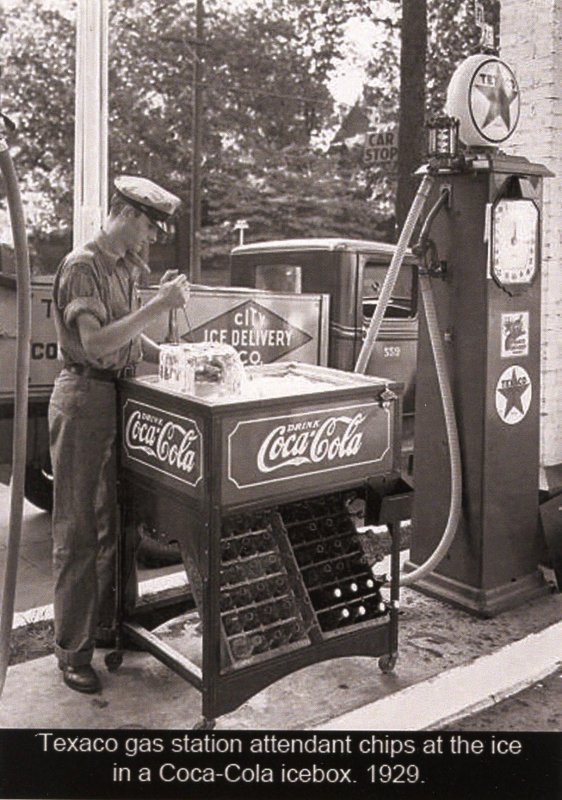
[307, 300]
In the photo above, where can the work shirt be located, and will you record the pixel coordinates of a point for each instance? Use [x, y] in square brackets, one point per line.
[92, 279]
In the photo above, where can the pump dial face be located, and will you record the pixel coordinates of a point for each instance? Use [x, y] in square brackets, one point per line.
[514, 242]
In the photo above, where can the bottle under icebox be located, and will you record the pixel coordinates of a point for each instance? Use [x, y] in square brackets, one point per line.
[241, 647]
[260, 591]
[242, 596]
[247, 547]
[232, 624]
[334, 618]
[249, 619]
[229, 550]
[268, 613]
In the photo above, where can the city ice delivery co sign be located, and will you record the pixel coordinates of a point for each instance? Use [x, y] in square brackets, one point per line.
[259, 334]
[264, 327]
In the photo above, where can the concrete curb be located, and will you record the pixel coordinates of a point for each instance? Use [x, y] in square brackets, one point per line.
[461, 690]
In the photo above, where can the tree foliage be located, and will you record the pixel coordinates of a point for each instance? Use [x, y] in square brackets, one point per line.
[266, 71]
[37, 91]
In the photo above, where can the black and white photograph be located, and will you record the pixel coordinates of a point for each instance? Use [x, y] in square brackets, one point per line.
[280, 399]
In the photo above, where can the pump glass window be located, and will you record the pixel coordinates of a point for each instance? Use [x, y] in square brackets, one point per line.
[279, 278]
[402, 304]
[514, 242]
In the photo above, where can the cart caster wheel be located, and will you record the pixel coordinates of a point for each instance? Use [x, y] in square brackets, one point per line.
[205, 724]
[387, 663]
[113, 660]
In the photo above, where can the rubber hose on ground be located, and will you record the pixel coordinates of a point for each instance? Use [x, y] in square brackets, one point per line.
[19, 445]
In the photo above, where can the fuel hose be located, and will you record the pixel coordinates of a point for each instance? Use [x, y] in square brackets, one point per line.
[392, 274]
[426, 293]
[19, 442]
[455, 501]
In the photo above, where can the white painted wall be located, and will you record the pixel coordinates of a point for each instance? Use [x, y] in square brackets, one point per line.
[531, 42]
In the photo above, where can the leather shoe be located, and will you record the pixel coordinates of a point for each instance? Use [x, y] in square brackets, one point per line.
[82, 679]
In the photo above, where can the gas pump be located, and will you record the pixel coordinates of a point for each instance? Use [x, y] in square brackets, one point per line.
[480, 247]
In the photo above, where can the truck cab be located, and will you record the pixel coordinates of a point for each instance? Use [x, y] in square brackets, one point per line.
[352, 273]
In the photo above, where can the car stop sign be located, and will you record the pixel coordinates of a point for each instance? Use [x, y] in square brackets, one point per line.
[381, 147]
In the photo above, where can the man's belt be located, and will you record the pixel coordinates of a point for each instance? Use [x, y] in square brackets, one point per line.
[107, 375]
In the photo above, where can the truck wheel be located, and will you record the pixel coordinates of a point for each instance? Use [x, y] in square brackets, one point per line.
[39, 487]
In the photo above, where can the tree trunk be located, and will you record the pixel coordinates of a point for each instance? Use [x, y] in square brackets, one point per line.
[411, 143]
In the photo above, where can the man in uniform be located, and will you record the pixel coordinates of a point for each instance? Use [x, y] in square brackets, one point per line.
[100, 327]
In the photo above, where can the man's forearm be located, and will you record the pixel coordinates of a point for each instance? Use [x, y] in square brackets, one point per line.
[98, 341]
[150, 350]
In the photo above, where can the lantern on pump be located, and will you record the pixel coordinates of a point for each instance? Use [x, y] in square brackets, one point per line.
[443, 136]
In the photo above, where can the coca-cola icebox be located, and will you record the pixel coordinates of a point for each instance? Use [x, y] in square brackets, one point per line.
[290, 427]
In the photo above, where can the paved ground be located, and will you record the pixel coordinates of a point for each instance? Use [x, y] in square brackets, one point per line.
[435, 640]
[538, 708]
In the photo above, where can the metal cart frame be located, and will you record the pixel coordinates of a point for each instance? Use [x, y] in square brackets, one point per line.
[194, 516]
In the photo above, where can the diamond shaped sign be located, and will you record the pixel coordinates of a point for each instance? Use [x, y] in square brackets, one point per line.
[259, 334]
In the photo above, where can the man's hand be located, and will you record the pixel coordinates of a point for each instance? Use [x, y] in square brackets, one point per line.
[173, 293]
[169, 275]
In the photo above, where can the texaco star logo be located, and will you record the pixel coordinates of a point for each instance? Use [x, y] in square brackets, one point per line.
[494, 101]
[513, 394]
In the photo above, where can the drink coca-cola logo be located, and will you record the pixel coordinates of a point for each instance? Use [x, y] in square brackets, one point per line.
[281, 448]
[311, 442]
[167, 442]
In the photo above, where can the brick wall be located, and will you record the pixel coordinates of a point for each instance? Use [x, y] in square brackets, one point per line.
[531, 43]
